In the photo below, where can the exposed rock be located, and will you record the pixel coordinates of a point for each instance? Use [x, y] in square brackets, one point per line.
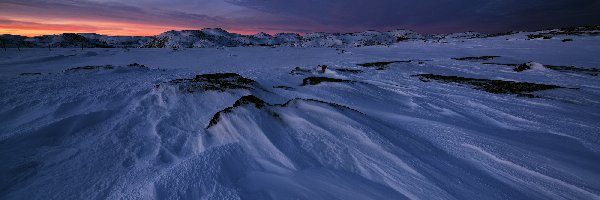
[379, 65]
[215, 82]
[318, 80]
[492, 86]
[477, 58]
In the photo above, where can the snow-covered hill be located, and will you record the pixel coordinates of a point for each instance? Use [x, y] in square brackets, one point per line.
[482, 118]
[71, 40]
[216, 37]
[221, 38]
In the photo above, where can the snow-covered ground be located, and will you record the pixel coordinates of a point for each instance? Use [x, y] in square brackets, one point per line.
[131, 132]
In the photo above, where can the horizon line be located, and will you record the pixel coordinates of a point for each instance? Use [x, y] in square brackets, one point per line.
[250, 33]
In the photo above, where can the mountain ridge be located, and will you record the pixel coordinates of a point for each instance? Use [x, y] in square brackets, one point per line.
[218, 37]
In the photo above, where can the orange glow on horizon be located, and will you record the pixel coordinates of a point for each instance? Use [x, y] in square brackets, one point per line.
[25, 27]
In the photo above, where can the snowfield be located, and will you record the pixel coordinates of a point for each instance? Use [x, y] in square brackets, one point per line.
[413, 120]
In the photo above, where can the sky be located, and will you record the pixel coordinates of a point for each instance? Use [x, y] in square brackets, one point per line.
[151, 17]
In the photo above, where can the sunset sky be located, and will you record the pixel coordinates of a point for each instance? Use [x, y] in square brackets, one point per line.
[151, 17]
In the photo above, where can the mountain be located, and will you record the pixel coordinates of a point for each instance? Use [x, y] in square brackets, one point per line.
[72, 40]
[217, 37]
[211, 37]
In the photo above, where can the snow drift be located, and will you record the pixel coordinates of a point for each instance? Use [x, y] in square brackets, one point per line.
[269, 123]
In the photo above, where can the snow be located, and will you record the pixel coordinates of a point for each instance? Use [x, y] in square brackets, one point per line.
[537, 66]
[125, 132]
[213, 37]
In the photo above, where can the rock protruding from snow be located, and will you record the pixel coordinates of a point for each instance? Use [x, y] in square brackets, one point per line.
[215, 82]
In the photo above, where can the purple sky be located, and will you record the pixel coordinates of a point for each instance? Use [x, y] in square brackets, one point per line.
[149, 17]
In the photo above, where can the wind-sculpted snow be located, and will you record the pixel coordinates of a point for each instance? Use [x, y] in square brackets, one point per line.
[273, 123]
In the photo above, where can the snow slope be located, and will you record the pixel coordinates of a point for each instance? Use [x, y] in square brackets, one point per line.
[113, 131]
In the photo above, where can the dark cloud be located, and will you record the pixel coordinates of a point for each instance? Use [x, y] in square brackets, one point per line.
[117, 12]
[154, 13]
[435, 15]
[431, 16]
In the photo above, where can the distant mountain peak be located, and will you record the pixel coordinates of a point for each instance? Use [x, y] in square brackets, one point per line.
[218, 37]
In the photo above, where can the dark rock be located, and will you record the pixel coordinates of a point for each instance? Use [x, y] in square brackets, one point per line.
[215, 82]
[354, 71]
[30, 74]
[318, 80]
[89, 68]
[476, 58]
[298, 70]
[379, 65]
[574, 69]
[522, 67]
[136, 65]
[492, 86]
[283, 87]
